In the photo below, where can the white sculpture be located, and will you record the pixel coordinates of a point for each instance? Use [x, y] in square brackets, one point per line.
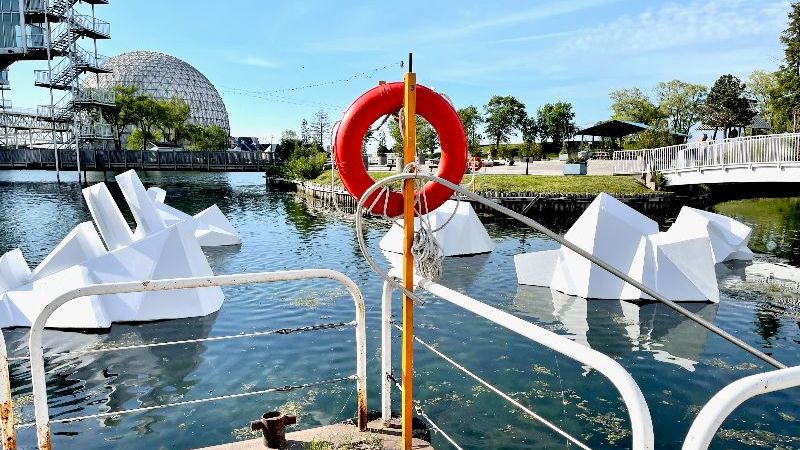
[463, 235]
[729, 237]
[172, 252]
[107, 216]
[211, 227]
[79, 246]
[14, 270]
[166, 244]
[678, 264]
[157, 194]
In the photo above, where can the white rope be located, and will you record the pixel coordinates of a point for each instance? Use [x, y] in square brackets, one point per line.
[428, 254]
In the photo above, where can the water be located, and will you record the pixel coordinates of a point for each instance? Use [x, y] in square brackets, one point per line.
[677, 364]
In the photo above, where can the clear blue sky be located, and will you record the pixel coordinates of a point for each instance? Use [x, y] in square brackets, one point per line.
[539, 51]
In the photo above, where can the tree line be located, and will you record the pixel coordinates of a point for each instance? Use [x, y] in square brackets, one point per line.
[150, 120]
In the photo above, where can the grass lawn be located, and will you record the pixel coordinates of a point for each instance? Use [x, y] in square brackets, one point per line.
[591, 184]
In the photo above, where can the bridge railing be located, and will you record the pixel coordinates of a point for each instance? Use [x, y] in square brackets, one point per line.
[772, 148]
[44, 158]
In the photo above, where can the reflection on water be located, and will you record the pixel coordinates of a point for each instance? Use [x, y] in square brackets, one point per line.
[775, 223]
[677, 364]
[618, 327]
[105, 381]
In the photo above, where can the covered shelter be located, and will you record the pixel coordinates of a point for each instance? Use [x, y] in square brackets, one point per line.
[611, 133]
[613, 129]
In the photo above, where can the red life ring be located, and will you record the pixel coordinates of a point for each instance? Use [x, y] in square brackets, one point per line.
[475, 164]
[388, 99]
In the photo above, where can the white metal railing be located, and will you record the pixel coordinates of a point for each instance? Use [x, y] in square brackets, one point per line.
[95, 130]
[749, 150]
[92, 24]
[38, 380]
[712, 415]
[97, 95]
[639, 413]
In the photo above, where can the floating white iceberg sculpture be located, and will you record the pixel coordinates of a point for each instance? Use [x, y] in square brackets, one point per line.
[14, 270]
[729, 237]
[463, 235]
[170, 253]
[211, 227]
[165, 245]
[678, 263]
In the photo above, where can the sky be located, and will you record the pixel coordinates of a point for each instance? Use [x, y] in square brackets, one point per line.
[256, 51]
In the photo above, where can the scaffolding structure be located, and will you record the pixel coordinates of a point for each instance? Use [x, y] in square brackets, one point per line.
[53, 31]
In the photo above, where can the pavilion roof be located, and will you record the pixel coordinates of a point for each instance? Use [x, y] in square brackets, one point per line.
[613, 128]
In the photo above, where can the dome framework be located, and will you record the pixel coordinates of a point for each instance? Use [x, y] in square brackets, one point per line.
[163, 76]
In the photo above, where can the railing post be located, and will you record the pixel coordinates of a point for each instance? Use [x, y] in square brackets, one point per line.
[386, 352]
[9, 434]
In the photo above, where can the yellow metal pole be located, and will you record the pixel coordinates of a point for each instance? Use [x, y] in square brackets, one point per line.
[409, 155]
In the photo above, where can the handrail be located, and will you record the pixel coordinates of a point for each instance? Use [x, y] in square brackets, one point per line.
[37, 328]
[368, 194]
[772, 148]
[639, 413]
[712, 415]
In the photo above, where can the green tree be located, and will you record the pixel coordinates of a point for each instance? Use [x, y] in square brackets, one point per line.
[305, 163]
[175, 113]
[727, 106]
[786, 95]
[556, 122]
[305, 134]
[320, 128]
[680, 102]
[471, 119]
[530, 130]
[382, 148]
[120, 115]
[764, 87]
[289, 141]
[147, 114]
[136, 140]
[503, 116]
[427, 139]
[633, 105]
[206, 137]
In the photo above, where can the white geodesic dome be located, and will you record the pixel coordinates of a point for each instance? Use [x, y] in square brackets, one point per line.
[163, 77]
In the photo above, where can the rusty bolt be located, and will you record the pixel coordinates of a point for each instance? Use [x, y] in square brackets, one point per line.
[273, 426]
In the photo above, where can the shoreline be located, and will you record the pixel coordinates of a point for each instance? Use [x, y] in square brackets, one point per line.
[652, 203]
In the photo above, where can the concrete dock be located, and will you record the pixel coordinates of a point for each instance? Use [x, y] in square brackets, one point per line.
[341, 436]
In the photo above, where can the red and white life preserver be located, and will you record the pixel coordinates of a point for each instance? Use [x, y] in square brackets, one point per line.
[388, 99]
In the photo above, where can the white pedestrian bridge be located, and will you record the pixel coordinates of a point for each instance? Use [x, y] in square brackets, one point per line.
[751, 159]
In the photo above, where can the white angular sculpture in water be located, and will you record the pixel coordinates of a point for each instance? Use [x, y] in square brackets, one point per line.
[211, 227]
[148, 220]
[169, 253]
[107, 216]
[682, 269]
[157, 194]
[165, 245]
[677, 264]
[463, 235]
[14, 270]
[80, 245]
[729, 237]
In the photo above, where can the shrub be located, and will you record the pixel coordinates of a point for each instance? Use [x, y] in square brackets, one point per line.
[305, 163]
[658, 179]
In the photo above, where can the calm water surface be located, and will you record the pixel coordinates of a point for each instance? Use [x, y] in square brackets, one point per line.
[677, 364]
